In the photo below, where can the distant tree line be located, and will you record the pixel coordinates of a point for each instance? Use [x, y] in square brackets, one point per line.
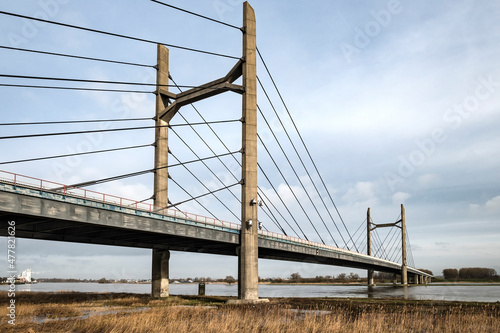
[470, 273]
[297, 278]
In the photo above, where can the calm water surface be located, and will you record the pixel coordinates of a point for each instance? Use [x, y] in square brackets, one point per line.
[434, 291]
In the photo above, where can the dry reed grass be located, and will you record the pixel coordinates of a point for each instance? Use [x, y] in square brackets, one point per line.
[280, 315]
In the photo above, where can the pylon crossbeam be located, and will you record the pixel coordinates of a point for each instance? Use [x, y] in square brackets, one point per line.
[204, 91]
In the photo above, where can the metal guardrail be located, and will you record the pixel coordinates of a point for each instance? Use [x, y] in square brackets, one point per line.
[71, 191]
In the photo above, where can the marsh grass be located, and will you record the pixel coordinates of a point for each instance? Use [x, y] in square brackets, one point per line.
[191, 314]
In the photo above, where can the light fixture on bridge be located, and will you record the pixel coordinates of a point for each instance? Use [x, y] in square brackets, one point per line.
[253, 202]
[260, 203]
[249, 223]
[260, 225]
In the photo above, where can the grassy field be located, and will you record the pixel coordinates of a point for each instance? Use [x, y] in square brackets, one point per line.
[114, 312]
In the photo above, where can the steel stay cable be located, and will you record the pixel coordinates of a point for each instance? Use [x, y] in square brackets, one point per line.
[295, 172]
[362, 233]
[273, 218]
[290, 188]
[391, 248]
[74, 56]
[264, 209]
[374, 241]
[79, 132]
[355, 233]
[206, 123]
[303, 165]
[133, 174]
[72, 121]
[74, 154]
[196, 14]
[394, 249]
[283, 203]
[409, 246]
[302, 140]
[267, 200]
[49, 78]
[192, 198]
[381, 245]
[202, 195]
[117, 35]
[201, 182]
[383, 252]
[209, 169]
[391, 242]
[225, 146]
[213, 131]
[75, 88]
[210, 148]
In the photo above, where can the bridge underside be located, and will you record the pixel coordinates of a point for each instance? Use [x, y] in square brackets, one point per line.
[54, 218]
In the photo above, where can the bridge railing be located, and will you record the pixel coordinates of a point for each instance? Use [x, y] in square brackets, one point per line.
[71, 191]
[50, 186]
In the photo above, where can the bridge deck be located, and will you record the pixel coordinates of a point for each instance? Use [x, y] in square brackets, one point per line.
[53, 211]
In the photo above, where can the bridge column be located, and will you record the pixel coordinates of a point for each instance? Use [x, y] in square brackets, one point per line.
[404, 266]
[159, 276]
[369, 246]
[417, 279]
[248, 275]
[394, 279]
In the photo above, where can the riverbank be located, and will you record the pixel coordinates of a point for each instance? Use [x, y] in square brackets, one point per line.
[120, 312]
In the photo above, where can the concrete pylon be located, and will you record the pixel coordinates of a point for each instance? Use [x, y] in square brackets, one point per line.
[369, 245]
[248, 275]
[159, 277]
[404, 265]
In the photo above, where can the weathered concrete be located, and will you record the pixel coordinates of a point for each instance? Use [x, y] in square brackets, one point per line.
[58, 217]
[161, 133]
[160, 273]
[369, 246]
[159, 286]
[248, 272]
[404, 266]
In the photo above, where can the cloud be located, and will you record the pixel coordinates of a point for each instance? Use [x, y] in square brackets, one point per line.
[400, 197]
[363, 193]
[493, 204]
[428, 179]
[490, 206]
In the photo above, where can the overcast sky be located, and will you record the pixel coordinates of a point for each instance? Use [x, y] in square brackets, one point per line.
[398, 102]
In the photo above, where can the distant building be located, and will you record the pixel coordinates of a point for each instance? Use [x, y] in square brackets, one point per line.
[26, 277]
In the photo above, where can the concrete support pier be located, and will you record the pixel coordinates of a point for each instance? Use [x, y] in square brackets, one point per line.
[248, 272]
[159, 276]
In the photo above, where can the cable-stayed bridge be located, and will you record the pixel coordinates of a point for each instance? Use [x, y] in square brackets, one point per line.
[70, 212]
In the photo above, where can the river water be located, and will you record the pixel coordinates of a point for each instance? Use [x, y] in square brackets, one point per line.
[434, 291]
